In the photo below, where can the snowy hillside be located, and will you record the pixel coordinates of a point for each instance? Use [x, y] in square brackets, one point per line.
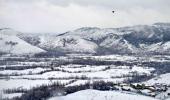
[138, 39]
[102, 95]
[135, 39]
[162, 79]
[10, 43]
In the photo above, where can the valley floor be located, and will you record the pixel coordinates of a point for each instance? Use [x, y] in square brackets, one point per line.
[133, 77]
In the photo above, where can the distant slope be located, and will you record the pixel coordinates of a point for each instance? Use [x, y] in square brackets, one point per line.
[102, 95]
[162, 79]
[10, 43]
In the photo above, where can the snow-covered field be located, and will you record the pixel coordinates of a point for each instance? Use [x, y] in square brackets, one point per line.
[161, 79]
[118, 69]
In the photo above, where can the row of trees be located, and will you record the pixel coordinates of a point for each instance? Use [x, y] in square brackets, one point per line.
[56, 89]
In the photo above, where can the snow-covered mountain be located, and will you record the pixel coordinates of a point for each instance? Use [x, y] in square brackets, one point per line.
[10, 43]
[135, 39]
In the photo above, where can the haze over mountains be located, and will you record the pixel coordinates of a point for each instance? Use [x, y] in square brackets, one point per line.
[152, 39]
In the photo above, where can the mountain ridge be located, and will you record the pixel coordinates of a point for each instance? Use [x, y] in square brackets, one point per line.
[144, 39]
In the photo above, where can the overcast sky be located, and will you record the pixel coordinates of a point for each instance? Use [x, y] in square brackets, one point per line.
[64, 15]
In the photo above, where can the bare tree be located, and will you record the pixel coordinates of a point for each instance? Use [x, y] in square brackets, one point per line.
[64, 42]
[11, 44]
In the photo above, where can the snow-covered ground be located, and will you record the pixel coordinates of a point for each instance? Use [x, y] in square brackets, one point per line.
[11, 95]
[23, 72]
[113, 72]
[37, 71]
[27, 84]
[10, 43]
[24, 84]
[102, 95]
[161, 79]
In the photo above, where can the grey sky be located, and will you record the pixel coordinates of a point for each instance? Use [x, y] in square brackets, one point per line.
[64, 15]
